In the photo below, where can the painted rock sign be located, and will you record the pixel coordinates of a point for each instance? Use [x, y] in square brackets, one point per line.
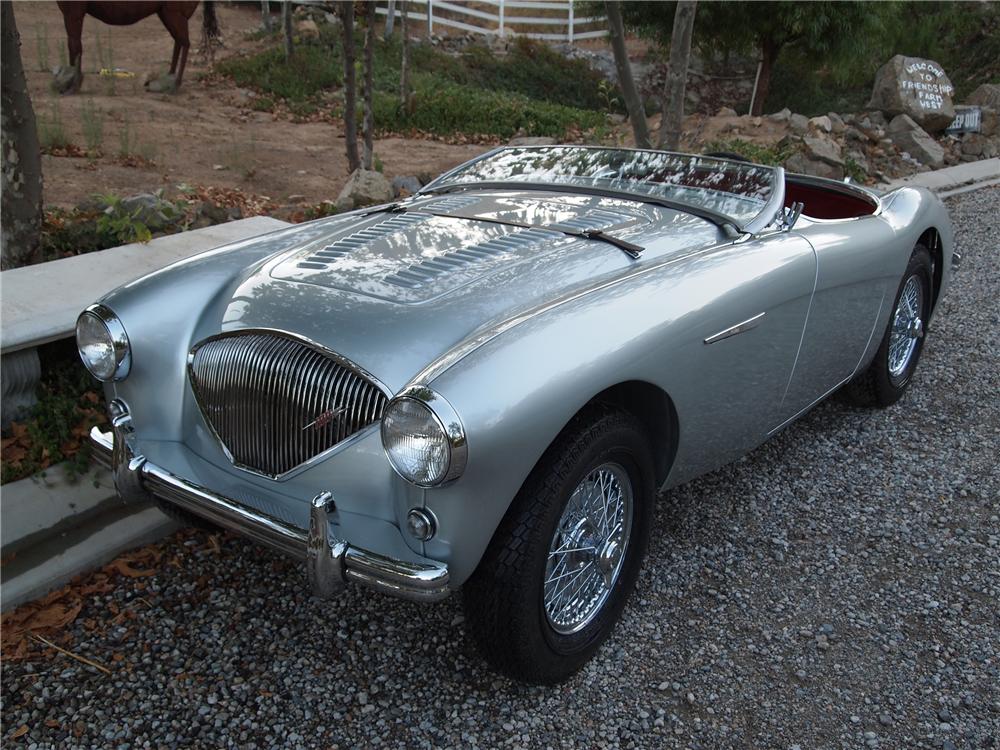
[915, 87]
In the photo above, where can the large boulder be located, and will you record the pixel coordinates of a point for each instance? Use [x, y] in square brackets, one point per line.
[908, 136]
[986, 95]
[801, 163]
[148, 208]
[405, 185]
[823, 149]
[917, 88]
[364, 188]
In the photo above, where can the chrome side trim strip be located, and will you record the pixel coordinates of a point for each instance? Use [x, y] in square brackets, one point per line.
[746, 325]
[330, 562]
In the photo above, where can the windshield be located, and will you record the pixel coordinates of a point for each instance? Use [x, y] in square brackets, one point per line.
[734, 189]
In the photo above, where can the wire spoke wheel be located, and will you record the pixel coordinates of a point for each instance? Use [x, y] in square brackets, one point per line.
[588, 548]
[907, 327]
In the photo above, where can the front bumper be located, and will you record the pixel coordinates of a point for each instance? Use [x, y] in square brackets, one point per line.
[330, 562]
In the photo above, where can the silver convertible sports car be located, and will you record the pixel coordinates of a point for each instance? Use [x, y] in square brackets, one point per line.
[483, 387]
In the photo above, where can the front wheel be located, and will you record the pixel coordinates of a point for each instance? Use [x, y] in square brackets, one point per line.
[890, 372]
[560, 567]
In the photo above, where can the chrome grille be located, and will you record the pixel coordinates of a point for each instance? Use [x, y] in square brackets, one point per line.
[275, 401]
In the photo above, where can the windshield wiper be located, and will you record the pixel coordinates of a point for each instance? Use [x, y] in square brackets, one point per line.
[630, 249]
[728, 226]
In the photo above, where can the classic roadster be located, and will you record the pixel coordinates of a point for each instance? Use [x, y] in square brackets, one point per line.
[484, 386]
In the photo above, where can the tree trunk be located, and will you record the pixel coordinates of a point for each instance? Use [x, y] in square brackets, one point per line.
[265, 15]
[368, 124]
[350, 88]
[636, 114]
[286, 27]
[672, 113]
[390, 19]
[769, 50]
[21, 184]
[404, 66]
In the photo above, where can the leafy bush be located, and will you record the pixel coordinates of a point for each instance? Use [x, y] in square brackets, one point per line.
[69, 404]
[533, 88]
[123, 225]
[537, 71]
[445, 108]
[313, 68]
[755, 152]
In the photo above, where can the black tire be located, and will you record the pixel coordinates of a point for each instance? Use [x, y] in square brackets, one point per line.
[503, 599]
[878, 386]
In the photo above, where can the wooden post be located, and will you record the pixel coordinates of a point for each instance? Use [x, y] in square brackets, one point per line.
[286, 25]
[570, 21]
[390, 19]
[430, 17]
[502, 32]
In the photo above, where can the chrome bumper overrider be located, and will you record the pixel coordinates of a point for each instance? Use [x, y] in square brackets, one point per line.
[330, 562]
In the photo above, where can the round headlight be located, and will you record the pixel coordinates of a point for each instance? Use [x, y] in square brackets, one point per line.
[103, 343]
[425, 444]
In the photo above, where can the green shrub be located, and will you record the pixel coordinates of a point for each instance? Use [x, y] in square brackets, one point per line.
[118, 222]
[69, 403]
[72, 232]
[534, 69]
[313, 68]
[755, 152]
[533, 88]
[445, 108]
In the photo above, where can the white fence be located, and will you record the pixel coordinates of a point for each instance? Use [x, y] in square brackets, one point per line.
[516, 17]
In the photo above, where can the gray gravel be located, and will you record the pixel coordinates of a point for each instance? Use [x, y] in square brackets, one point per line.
[837, 588]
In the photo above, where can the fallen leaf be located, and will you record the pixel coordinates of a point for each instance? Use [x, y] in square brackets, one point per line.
[15, 454]
[20, 732]
[125, 569]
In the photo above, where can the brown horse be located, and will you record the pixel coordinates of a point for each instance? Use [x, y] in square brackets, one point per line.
[174, 15]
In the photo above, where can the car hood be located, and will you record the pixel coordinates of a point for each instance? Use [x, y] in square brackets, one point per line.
[393, 291]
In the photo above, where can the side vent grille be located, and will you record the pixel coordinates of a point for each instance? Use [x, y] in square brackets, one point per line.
[420, 273]
[320, 259]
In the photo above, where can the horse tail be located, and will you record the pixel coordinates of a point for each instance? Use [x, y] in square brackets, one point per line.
[210, 22]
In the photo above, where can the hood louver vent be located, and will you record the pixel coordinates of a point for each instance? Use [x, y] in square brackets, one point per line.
[596, 219]
[420, 273]
[320, 259]
[452, 203]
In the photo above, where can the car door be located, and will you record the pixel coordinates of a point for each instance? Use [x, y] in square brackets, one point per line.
[739, 352]
[851, 288]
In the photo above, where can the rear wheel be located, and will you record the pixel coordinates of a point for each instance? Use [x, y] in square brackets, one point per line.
[890, 372]
[560, 567]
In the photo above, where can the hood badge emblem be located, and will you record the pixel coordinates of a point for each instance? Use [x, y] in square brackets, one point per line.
[325, 418]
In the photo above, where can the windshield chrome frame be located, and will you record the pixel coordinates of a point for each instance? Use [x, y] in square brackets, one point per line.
[764, 218]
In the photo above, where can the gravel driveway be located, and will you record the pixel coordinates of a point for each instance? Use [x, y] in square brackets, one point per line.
[839, 587]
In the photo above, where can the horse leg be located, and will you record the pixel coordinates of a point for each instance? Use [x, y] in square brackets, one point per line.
[177, 24]
[73, 15]
[173, 60]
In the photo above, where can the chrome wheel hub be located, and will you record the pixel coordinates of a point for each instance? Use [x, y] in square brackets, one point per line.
[907, 327]
[588, 548]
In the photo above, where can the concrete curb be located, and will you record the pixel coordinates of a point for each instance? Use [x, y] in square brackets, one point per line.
[962, 177]
[55, 527]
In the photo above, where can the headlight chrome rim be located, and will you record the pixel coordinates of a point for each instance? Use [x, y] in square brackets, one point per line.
[448, 422]
[118, 337]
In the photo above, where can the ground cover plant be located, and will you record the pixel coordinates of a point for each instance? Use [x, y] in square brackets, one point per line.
[70, 402]
[532, 89]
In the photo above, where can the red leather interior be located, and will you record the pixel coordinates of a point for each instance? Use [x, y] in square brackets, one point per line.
[826, 204]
